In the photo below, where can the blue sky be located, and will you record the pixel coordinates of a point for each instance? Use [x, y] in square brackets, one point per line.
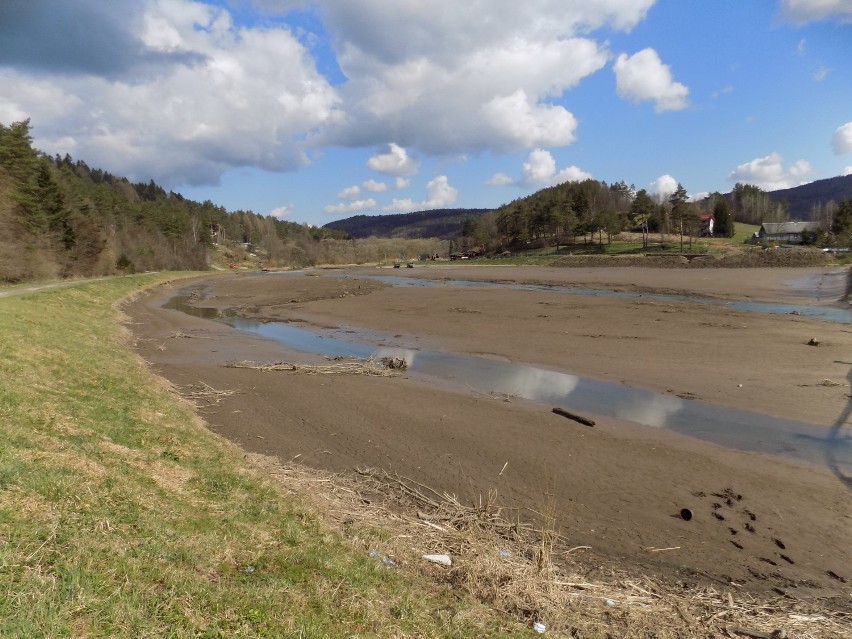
[318, 110]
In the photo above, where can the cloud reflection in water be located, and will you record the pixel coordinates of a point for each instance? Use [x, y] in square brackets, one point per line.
[654, 410]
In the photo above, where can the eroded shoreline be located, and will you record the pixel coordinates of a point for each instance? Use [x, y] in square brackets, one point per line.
[617, 486]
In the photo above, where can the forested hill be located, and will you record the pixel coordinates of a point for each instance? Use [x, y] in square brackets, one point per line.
[749, 203]
[61, 218]
[440, 223]
[808, 201]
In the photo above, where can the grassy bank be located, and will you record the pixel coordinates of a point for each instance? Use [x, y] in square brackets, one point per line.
[122, 516]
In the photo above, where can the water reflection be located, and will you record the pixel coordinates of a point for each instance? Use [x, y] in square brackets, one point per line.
[656, 411]
[742, 430]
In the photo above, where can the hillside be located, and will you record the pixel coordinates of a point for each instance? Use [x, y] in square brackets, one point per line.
[590, 206]
[59, 218]
[806, 201]
[440, 223]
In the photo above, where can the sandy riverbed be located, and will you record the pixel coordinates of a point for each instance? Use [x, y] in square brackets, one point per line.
[760, 521]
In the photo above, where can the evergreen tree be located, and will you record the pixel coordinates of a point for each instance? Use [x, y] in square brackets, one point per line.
[17, 157]
[641, 212]
[582, 210]
[841, 225]
[20, 161]
[723, 221]
[679, 203]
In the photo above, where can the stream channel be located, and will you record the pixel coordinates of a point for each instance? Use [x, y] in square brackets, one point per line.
[741, 430]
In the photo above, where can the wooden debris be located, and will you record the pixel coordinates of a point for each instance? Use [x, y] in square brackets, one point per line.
[685, 614]
[754, 634]
[181, 334]
[367, 367]
[577, 418]
[394, 363]
[207, 392]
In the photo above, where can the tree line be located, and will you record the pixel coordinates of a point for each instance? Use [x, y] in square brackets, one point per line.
[591, 210]
[594, 211]
[60, 218]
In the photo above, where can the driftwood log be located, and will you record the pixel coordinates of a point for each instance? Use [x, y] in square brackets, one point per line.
[577, 418]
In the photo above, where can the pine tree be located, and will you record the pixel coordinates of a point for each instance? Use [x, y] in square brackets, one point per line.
[20, 161]
[641, 212]
[841, 225]
[678, 200]
[723, 221]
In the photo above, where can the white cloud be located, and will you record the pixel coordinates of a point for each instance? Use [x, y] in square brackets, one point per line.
[447, 28]
[282, 211]
[181, 91]
[572, 174]
[396, 162]
[374, 186]
[403, 205]
[801, 170]
[643, 76]
[821, 73]
[349, 193]
[241, 97]
[769, 173]
[842, 139]
[499, 179]
[663, 186]
[802, 11]
[697, 197]
[401, 183]
[40, 100]
[351, 207]
[440, 194]
[523, 124]
[847, 171]
[540, 170]
[441, 76]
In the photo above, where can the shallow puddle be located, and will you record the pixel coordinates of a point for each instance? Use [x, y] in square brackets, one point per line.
[838, 312]
[737, 429]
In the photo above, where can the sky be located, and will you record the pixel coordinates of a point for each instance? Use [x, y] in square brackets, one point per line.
[317, 110]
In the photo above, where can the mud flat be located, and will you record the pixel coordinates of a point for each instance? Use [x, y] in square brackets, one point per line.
[764, 522]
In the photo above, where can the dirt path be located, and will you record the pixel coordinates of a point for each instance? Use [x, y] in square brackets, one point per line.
[760, 522]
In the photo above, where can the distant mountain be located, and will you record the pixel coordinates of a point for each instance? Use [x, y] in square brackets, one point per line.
[804, 199]
[441, 223]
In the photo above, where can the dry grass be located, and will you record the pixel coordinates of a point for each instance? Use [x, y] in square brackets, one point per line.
[529, 572]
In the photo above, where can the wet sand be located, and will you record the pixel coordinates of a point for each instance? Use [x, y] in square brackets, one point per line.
[761, 522]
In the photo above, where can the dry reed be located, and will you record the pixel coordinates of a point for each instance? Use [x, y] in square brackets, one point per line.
[522, 567]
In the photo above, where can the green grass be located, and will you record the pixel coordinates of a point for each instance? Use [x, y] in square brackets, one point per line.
[122, 516]
[547, 256]
[743, 232]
